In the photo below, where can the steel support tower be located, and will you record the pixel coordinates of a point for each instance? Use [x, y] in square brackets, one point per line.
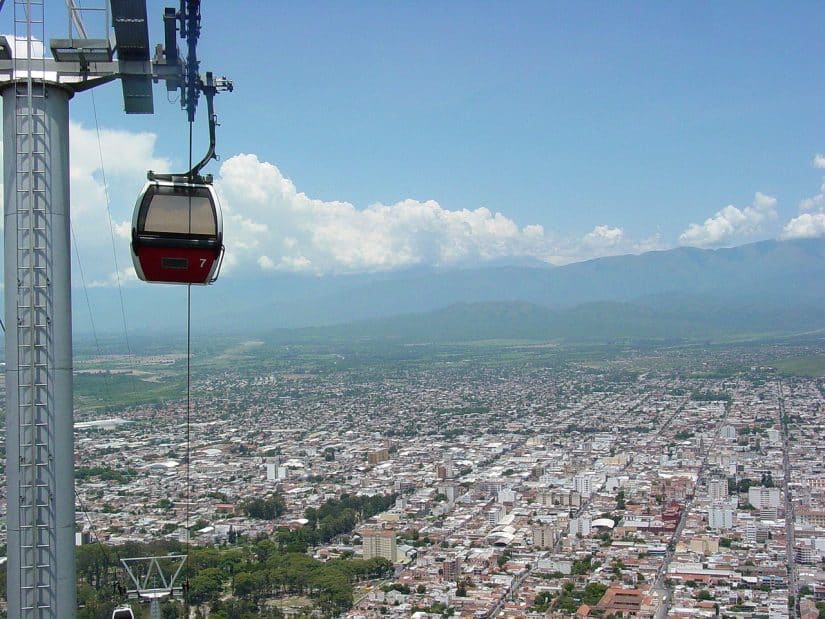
[38, 350]
[40, 463]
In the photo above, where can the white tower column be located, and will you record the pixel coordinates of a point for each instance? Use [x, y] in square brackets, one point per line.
[39, 413]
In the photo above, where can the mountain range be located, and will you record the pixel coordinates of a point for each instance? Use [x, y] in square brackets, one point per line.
[766, 287]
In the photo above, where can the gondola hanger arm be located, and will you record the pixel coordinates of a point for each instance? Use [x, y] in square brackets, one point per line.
[209, 86]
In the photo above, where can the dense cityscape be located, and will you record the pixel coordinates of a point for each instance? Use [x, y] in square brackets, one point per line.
[511, 481]
[520, 312]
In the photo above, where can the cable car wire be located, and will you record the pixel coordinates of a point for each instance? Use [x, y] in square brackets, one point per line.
[107, 377]
[85, 289]
[93, 530]
[188, 403]
[114, 247]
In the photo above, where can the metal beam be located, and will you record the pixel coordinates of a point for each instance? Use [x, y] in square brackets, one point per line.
[131, 29]
[79, 78]
[81, 51]
[76, 19]
[132, 41]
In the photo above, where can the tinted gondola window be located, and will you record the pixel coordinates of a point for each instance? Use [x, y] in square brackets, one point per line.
[178, 210]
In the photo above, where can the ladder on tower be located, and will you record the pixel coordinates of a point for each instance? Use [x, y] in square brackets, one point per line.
[34, 367]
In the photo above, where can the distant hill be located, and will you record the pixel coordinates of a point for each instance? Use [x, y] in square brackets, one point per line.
[589, 322]
[768, 286]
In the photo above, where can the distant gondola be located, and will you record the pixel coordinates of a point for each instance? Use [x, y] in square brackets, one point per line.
[177, 231]
[123, 612]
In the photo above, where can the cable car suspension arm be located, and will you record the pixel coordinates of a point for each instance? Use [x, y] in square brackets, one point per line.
[209, 86]
[190, 81]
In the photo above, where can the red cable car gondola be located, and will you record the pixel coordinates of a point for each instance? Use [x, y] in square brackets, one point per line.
[177, 231]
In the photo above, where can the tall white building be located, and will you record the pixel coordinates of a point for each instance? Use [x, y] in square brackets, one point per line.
[580, 526]
[718, 489]
[507, 495]
[750, 531]
[583, 484]
[379, 543]
[804, 553]
[494, 514]
[544, 535]
[761, 497]
[729, 432]
[448, 489]
[720, 517]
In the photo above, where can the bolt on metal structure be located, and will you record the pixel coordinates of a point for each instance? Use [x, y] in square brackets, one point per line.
[36, 90]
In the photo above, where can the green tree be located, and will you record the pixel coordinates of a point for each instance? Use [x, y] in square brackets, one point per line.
[593, 592]
[267, 508]
[247, 584]
[206, 585]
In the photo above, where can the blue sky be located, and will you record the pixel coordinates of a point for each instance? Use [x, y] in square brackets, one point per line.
[374, 132]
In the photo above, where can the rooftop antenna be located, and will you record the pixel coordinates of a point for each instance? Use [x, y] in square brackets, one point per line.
[36, 90]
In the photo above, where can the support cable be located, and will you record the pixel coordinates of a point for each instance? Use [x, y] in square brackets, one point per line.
[85, 290]
[92, 529]
[188, 404]
[114, 247]
[103, 547]
[106, 380]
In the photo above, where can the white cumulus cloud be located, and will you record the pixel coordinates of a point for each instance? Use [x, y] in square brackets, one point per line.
[123, 276]
[269, 222]
[805, 226]
[601, 241]
[602, 237]
[732, 224]
[810, 223]
[121, 159]
[814, 203]
[269, 225]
